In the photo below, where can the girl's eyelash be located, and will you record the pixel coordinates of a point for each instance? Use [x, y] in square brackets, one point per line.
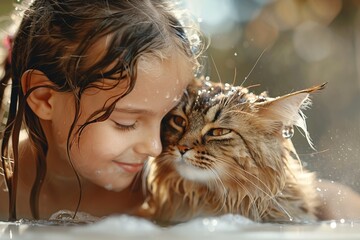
[125, 127]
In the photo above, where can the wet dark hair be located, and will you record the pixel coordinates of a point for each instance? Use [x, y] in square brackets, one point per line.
[54, 37]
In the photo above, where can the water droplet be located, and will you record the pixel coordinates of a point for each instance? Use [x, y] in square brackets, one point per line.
[176, 98]
[210, 224]
[235, 54]
[288, 132]
[333, 225]
[155, 144]
[167, 95]
[206, 221]
[214, 222]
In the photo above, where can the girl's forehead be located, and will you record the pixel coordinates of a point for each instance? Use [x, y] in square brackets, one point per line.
[173, 64]
[169, 73]
[159, 85]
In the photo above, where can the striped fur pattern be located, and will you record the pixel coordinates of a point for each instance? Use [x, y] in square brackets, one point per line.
[224, 151]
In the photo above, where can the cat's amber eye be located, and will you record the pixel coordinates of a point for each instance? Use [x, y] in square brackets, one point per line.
[178, 121]
[218, 131]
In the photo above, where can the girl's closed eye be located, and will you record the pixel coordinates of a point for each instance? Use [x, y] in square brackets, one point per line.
[125, 125]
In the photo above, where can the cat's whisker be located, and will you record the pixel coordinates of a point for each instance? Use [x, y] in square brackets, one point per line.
[266, 191]
[229, 99]
[252, 69]
[269, 195]
[314, 153]
[297, 158]
[247, 192]
[234, 79]
[239, 183]
[218, 179]
[216, 69]
[260, 181]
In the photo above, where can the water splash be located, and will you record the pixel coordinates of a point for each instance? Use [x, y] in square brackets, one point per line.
[288, 132]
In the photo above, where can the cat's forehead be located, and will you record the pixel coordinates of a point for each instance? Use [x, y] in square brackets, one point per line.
[205, 94]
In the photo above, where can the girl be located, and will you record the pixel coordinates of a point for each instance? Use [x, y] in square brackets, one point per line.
[90, 82]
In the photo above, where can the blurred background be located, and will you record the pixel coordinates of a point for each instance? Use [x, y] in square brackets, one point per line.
[288, 45]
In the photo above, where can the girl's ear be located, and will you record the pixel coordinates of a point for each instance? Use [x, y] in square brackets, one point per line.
[39, 99]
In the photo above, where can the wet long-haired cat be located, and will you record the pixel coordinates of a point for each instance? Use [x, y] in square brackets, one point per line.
[226, 150]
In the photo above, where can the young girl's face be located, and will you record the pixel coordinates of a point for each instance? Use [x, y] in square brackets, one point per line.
[112, 152]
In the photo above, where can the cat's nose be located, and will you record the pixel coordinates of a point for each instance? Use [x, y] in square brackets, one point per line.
[183, 149]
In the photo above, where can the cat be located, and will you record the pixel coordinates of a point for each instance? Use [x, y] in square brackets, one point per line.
[227, 150]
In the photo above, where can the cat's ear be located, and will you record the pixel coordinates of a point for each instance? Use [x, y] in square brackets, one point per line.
[287, 109]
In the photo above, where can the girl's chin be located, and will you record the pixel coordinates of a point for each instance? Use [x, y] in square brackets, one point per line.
[114, 181]
[118, 187]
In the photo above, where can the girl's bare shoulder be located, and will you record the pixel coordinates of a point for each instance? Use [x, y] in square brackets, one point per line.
[25, 150]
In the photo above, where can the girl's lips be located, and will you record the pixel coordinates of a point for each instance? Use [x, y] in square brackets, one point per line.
[130, 167]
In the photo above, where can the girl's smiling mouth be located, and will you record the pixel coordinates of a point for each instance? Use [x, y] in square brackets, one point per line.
[130, 167]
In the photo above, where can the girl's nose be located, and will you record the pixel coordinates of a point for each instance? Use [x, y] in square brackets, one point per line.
[150, 144]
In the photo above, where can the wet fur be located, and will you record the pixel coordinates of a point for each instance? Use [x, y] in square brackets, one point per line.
[251, 170]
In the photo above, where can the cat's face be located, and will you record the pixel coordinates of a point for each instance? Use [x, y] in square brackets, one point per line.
[226, 134]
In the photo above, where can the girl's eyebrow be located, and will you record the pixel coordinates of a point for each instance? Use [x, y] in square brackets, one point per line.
[134, 111]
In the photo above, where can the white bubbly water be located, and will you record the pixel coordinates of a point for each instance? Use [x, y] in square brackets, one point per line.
[225, 227]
